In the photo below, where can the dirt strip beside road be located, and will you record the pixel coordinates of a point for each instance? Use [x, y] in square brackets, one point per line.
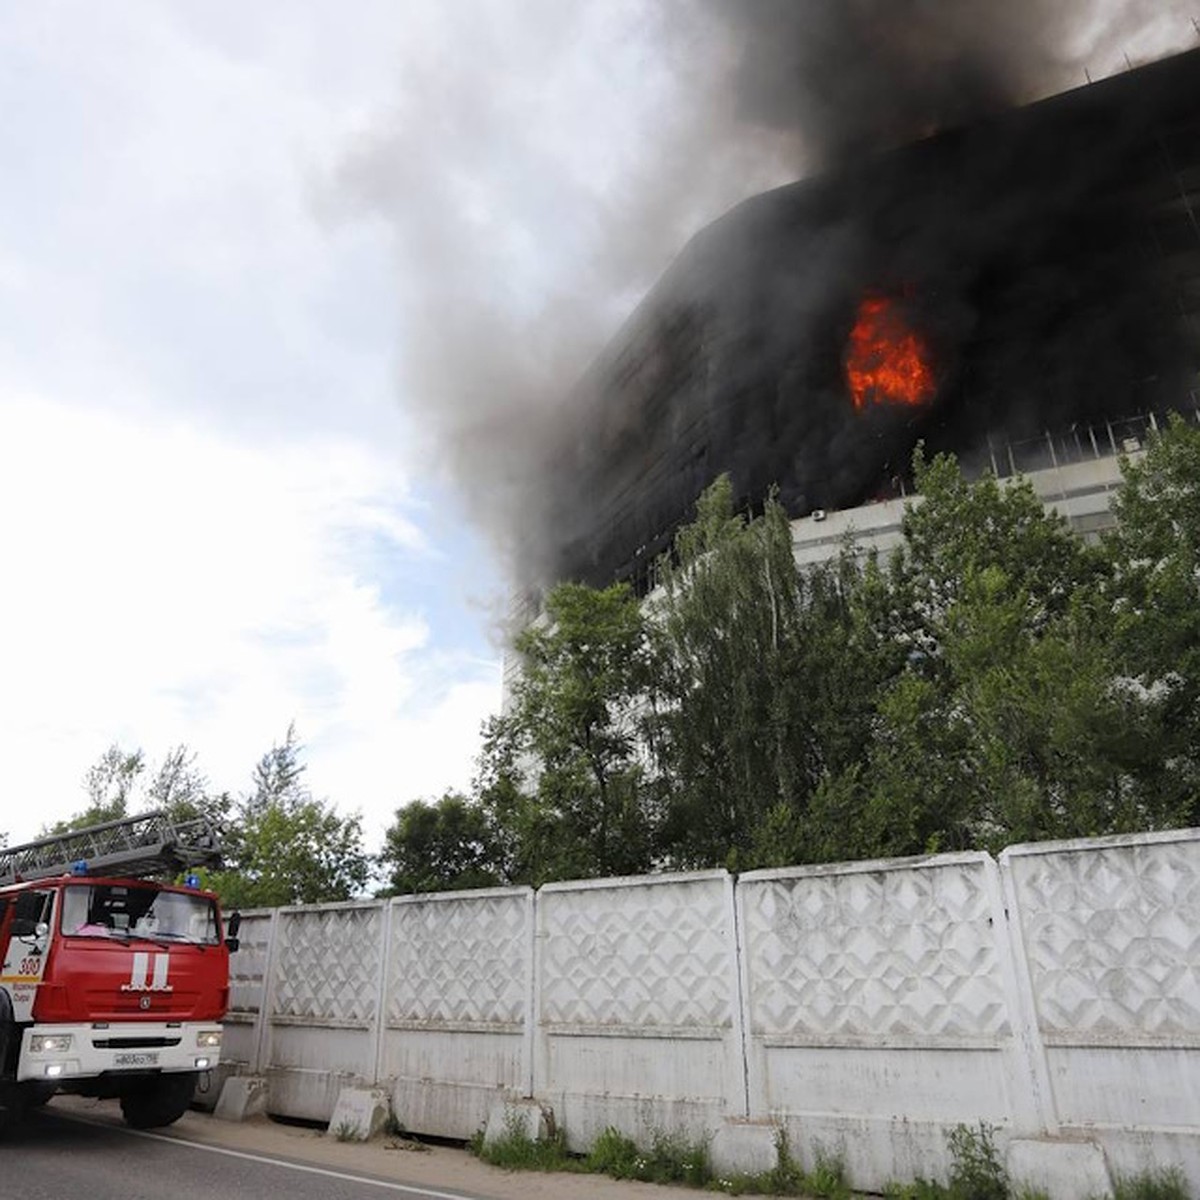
[449, 1168]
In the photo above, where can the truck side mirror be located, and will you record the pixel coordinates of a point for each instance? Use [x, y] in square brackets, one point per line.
[232, 942]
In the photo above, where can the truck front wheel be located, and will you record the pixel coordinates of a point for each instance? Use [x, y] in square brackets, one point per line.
[162, 1100]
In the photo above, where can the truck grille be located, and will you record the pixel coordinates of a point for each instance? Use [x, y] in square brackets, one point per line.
[134, 1043]
[120, 1006]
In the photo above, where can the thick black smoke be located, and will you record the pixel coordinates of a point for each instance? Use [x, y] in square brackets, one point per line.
[1035, 249]
[856, 76]
[540, 172]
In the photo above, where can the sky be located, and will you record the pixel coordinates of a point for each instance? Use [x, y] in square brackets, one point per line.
[280, 286]
[232, 238]
[210, 520]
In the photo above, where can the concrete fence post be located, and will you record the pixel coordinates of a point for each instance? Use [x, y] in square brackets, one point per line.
[381, 991]
[266, 998]
[739, 990]
[1032, 1096]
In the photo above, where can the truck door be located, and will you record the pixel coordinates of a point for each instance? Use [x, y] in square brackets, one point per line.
[24, 939]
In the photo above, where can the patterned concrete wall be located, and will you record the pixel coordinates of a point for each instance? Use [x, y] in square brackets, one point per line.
[457, 1006]
[878, 992]
[868, 1008]
[638, 1023]
[323, 1004]
[1110, 938]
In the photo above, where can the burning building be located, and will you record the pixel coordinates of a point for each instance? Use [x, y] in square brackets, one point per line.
[1034, 271]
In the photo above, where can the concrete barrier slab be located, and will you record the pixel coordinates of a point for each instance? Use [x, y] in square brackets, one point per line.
[527, 1117]
[359, 1114]
[744, 1148]
[241, 1096]
[1064, 1170]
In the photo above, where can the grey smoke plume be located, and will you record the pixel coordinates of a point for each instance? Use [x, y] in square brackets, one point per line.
[855, 76]
[544, 163]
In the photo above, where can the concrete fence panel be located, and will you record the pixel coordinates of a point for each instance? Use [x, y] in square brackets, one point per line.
[457, 1011]
[638, 1023]
[1109, 929]
[880, 1009]
[324, 1005]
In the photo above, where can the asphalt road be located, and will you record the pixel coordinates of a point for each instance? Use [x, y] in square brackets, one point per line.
[57, 1157]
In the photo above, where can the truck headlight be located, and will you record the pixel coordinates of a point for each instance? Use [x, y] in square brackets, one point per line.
[208, 1037]
[49, 1043]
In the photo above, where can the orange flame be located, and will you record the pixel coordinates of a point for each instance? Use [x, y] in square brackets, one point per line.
[886, 362]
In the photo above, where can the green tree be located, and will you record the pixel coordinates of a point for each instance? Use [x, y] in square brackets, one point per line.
[1155, 556]
[767, 681]
[959, 529]
[572, 783]
[1007, 722]
[121, 783]
[445, 846]
[285, 846]
[181, 789]
[110, 783]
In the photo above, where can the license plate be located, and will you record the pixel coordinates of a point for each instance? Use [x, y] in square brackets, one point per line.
[136, 1060]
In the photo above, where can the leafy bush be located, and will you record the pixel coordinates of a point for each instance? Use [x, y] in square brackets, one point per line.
[977, 1172]
[614, 1154]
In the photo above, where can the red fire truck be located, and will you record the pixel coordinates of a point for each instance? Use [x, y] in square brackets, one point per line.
[113, 982]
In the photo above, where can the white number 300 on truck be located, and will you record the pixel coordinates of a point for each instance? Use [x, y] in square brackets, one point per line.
[113, 983]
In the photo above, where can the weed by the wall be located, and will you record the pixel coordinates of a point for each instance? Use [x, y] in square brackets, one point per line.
[515, 1150]
[1162, 1183]
[614, 1154]
[675, 1159]
[827, 1180]
[670, 1158]
[919, 1189]
[347, 1131]
[976, 1172]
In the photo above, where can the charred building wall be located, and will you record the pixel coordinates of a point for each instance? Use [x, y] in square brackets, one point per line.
[1035, 270]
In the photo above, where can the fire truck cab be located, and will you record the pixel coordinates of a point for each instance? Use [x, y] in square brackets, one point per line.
[113, 983]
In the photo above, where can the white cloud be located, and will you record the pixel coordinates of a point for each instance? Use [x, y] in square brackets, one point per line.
[164, 585]
[207, 529]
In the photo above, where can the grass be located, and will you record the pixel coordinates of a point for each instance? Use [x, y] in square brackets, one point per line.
[670, 1158]
[347, 1131]
[827, 1180]
[976, 1173]
[1163, 1183]
[515, 1150]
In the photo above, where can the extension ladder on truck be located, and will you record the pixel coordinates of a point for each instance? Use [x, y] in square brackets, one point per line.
[135, 847]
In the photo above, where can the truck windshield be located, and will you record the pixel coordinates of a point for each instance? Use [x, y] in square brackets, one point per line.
[125, 911]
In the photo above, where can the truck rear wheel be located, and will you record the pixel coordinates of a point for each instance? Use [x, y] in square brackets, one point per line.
[162, 1100]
